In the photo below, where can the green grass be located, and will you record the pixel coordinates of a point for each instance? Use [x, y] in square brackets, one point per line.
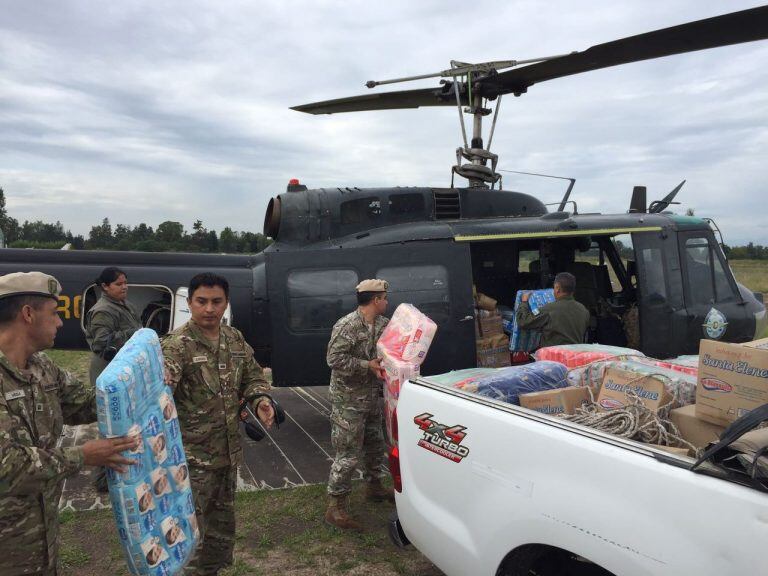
[752, 273]
[75, 361]
[278, 532]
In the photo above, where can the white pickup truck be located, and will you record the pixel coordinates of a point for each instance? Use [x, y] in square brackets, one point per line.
[488, 488]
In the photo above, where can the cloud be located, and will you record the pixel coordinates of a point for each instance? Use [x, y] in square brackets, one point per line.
[150, 111]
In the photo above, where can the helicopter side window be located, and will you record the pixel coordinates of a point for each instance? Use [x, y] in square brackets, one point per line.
[653, 281]
[424, 286]
[360, 210]
[707, 277]
[723, 289]
[318, 298]
[699, 265]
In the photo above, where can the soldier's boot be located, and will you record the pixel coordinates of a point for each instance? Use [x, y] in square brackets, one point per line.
[337, 515]
[376, 492]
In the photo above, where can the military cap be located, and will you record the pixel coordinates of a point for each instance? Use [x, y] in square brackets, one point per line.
[29, 284]
[373, 285]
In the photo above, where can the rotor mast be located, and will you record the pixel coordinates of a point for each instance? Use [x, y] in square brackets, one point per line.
[476, 170]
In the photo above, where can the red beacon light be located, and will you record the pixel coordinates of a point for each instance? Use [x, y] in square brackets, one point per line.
[295, 186]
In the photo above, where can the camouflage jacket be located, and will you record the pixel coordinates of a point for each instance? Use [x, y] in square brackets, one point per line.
[110, 321]
[207, 381]
[34, 405]
[351, 346]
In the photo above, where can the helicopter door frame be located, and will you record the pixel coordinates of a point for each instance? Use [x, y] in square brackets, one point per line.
[705, 318]
[97, 291]
[663, 316]
[309, 290]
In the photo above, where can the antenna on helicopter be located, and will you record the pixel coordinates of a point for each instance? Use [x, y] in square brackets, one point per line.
[567, 194]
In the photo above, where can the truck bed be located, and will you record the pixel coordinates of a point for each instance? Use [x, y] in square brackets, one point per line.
[526, 481]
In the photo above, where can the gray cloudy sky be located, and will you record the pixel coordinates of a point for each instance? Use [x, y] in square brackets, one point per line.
[146, 111]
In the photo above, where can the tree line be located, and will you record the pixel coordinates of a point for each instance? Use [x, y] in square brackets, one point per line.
[169, 236]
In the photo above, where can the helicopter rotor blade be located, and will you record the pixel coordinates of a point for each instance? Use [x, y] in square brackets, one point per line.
[734, 28]
[442, 96]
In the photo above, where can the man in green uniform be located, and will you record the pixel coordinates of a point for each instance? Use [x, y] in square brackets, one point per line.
[210, 367]
[564, 321]
[36, 399]
[356, 374]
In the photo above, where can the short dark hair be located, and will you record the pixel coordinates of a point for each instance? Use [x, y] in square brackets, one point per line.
[567, 282]
[109, 275]
[365, 298]
[12, 305]
[209, 280]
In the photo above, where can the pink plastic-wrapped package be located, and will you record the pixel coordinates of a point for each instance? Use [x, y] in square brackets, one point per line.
[408, 335]
[576, 355]
[396, 372]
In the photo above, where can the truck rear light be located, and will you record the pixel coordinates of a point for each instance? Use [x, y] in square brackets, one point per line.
[394, 468]
[394, 454]
[393, 426]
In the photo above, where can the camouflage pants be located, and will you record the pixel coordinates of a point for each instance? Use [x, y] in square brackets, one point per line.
[214, 492]
[356, 429]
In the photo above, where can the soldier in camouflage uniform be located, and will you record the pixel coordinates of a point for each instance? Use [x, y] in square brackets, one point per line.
[210, 367]
[111, 321]
[36, 399]
[356, 411]
[108, 325]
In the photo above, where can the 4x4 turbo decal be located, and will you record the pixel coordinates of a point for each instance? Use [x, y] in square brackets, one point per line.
[441, 439]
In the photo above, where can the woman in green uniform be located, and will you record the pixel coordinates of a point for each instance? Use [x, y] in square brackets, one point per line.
[108, 325]
[111, 321]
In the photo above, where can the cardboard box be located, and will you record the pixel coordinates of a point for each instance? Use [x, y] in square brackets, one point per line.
[616, 382]
[493, 352]
[486, 326]
[733, 379]
[697, 432]
[672, 449]
[559, 401]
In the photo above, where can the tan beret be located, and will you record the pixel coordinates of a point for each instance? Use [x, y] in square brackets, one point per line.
[373, 285]
[29, 284]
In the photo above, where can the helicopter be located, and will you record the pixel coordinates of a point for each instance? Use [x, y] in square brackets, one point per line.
[437, 246]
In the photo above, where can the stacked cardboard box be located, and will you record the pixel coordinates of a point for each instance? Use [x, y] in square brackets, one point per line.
[697, 432]
[492, 351]
[732, 380]
[617, 382]
[555, 402]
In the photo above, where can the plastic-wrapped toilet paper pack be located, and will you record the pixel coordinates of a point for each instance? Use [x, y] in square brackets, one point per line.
[152, 501]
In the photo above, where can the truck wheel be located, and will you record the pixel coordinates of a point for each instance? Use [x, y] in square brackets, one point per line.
[541, 560]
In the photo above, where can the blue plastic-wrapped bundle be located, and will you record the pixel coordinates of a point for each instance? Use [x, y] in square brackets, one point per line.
[528, 340]
[506, 384]
[152, 501]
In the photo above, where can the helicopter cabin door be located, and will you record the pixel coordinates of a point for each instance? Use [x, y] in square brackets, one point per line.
[716, 310]
[309, 290]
